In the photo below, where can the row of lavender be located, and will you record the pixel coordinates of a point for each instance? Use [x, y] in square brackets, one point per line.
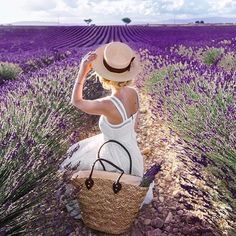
[37, 119]
[22, 39]
[194, 89]
[37, 47]
[38, 124]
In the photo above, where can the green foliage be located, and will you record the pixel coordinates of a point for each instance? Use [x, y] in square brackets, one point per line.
[9, 71]
[156, 78]
[212, 55]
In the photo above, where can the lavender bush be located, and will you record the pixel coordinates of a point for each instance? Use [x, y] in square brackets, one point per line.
[212, 55]
[9, 71]
[198, 102]
[37, 121]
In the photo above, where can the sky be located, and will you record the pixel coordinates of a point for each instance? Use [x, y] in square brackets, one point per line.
[112, 11]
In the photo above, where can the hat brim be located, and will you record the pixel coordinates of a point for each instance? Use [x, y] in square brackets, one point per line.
[99, 67]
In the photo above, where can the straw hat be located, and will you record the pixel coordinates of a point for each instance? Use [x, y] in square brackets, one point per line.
[116, 61]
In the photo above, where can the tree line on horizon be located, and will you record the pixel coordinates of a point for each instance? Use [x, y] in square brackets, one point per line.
[126, 20]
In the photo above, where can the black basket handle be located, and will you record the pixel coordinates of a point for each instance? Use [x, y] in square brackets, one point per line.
[116, 185]
[114, 141]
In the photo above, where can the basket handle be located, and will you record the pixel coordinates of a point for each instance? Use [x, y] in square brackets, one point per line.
[114, 141]
[116, 185]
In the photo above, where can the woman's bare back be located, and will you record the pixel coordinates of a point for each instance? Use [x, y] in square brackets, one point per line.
[128, 97]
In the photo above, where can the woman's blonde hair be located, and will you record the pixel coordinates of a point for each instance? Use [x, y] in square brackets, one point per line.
[108, 84]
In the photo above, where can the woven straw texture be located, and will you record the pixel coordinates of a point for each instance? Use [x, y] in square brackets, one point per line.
[103, 210]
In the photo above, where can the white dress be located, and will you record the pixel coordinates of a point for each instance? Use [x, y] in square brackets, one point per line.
[85, 151]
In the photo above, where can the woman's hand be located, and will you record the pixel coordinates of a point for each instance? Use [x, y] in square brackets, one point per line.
[85, 65]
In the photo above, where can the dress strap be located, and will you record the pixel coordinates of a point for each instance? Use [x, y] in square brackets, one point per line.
[120, 107]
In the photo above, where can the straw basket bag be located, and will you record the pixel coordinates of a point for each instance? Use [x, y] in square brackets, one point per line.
[109, 201]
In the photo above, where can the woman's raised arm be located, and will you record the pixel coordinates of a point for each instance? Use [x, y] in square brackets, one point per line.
[93, 107]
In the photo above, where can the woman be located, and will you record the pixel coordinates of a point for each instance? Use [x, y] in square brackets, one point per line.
[117, 65]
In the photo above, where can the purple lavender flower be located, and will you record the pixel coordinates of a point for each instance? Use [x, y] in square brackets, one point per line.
[150, 174]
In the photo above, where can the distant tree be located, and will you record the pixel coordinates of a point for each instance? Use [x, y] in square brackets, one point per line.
[197, 22]
[126, 20]
[88, 21]
[202, 22]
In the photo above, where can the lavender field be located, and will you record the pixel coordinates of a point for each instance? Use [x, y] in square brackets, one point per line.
[189, 78]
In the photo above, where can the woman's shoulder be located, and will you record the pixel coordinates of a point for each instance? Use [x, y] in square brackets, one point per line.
[134, 93]
[132, 90]
[105, 101]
